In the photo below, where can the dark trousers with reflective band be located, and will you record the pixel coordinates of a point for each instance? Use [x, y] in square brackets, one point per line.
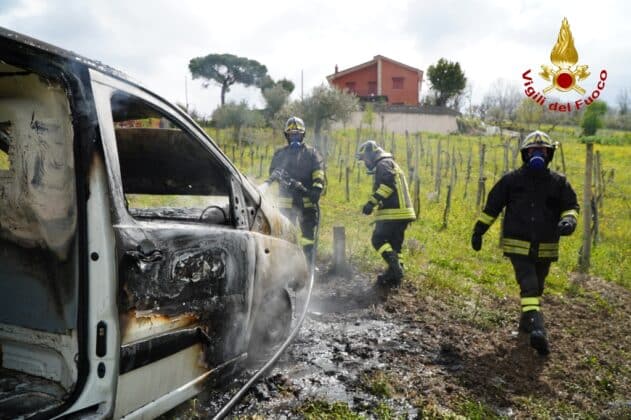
[308, 220]
[531, 276]
[389, 235]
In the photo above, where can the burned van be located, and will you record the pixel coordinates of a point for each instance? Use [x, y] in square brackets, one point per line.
[136, 262]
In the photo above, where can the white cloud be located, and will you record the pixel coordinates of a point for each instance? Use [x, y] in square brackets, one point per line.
[153, 41]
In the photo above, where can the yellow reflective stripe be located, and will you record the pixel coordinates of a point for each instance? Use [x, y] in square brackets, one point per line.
[373, 200]
[317, 174]
[384, 191]
[402, 189]
[318, 185]
[285, 202]
[530, 308]
[486, 219]
[549, 250]
[571, 212]
[530, 301]
[514, 250]
[395, 214]
[306, 241]
[399, 186]
[383, 248]
[516, 243]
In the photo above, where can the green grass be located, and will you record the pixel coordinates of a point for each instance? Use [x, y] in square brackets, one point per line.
[322, 410]
[475, 410]
[379, 384]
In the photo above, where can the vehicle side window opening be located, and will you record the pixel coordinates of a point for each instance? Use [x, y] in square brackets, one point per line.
[5, 141]
[166, 173]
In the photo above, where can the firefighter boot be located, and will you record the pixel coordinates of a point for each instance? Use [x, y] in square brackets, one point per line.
[524, 323]
[394, 273]
[532, 323]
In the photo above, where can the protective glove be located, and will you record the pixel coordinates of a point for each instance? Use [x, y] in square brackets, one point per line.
[297, 186]
[567, 226]
[367, 209]
[277, 175]
[476, 241]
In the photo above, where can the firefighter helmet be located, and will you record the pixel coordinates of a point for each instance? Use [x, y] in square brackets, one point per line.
[537, 139]
[369, 152]
[294, 130]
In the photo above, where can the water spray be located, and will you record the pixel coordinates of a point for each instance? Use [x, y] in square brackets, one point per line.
[227, 408]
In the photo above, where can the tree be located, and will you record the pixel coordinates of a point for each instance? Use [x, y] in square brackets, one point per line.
[325, 105]
[226, 70]
[267, 82]
[237, 116]
[593, 118]
[500, 103]
[193, 113]
[554, 118]
[447, 80]
[275, 97]
[369, 115]
[623, 101]
[529, 112]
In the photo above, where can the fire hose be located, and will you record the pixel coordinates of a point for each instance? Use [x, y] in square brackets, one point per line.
[225, 410]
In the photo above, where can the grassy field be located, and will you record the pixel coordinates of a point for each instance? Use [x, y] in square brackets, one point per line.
[441, 254]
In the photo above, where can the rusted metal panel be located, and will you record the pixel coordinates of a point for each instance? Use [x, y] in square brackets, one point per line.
[137, 325]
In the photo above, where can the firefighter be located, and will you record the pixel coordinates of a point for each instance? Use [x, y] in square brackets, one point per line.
[298, 169]
[394, 209]
[540, 207]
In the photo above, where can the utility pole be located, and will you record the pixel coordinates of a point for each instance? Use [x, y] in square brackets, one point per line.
[186, 92]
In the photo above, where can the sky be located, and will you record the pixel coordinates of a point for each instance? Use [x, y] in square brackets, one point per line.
[153, 41]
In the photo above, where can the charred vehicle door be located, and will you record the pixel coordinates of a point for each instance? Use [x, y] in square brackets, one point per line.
[185, 258]
[135, 261]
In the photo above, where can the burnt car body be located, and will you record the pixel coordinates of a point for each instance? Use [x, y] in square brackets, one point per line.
[136, 262]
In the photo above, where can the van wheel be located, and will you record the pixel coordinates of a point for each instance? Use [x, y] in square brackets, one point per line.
[273, 320]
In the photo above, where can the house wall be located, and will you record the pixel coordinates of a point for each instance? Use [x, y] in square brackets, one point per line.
[361, 78]
[399, 122]
[409, 94]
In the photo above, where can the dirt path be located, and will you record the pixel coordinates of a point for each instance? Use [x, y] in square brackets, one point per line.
[416, 354]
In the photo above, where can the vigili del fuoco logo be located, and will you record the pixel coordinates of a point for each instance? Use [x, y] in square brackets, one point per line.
[565, 76]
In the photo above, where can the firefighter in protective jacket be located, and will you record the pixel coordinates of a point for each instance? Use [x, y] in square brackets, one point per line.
[540, 207]
[299, 172]
[394, 209]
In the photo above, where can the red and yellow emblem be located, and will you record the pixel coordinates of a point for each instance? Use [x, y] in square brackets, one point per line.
[564, 56]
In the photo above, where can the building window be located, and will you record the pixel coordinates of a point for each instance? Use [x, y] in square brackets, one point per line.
[397, 83]
[350, 86]
[372, 88]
